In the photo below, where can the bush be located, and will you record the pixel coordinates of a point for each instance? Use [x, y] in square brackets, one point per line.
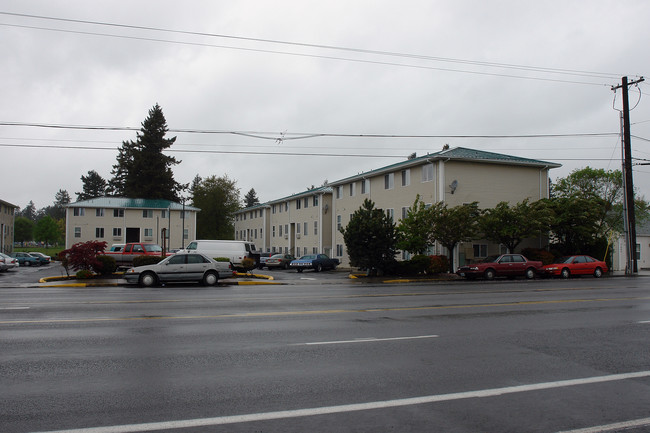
[83, 255]
[439, 264]
[107, 265]
[419, 264]
[248, 264]
[221, 259]
[538, 254]
[84, 274]
[146, 260]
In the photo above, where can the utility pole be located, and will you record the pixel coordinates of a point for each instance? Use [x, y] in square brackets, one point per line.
[628, 185]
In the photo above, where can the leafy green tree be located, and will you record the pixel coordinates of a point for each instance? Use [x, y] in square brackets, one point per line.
[250, 199]
[142, 169]
[452, 225]
[510, 225]
[47, 231]
[218, 199]
[575, 224]
[370, 238]
[23, 229]
[414, 230]
[93, 186]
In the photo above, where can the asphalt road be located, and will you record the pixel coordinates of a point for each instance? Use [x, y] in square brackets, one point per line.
[502, 356]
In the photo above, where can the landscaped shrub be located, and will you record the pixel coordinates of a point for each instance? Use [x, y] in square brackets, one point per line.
[146, 260]
[107, 265]
[538, 254]
[83, 255]
[420, 264]
[439, 264]
[221, 259]
[84, 274]
[248, 264]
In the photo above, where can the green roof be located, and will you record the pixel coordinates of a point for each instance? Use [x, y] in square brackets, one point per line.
[456, 154]
[131, 203]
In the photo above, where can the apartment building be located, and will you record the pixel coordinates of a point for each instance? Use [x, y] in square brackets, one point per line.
[453, 176]
[120, 220]
[7, 219]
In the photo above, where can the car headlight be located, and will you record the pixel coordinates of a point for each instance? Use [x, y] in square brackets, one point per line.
[552, 269]
[473, 268]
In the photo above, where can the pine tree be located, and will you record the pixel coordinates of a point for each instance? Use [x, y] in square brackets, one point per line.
[142, 170]
[93, 186]
[250, 199]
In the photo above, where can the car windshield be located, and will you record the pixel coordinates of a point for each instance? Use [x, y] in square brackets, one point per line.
[565, 259]
[153, 248]
[310, 257]
[490, 259]
[276, 256]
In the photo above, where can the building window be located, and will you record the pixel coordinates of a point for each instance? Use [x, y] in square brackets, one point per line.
[315, 227]
[389, 181]
[148, 233]
[314, 250]
[117, 232]
[306, 200]
[255, 234]
[427, 172]
[339, 250]
[480, 250]
[186, 233]
[273, 209]
[286, 206]
[390, 213]
[79, 211]
[338, 191]
[99, 232]
[638, 251]
[77, 231]
[365, 186]
[352, 189]
[147, 213]
[99, 212]
[315, 201]
[338, 222]
[118, 213]
[163, 213]
[280, 230]
[273, 231]
[304, 232]
[286, 229]
[298, 228]
[298, 202]
[406, 177]
[405, 212]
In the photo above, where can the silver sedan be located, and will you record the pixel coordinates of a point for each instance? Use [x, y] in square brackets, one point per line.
[180, 267]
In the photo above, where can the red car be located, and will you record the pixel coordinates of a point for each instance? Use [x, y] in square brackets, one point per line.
[505, 265]
[576, 265]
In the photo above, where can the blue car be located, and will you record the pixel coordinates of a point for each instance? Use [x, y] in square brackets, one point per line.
[26, 259]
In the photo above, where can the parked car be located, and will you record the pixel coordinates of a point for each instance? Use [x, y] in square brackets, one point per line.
[115, 248]
[576, 265]
[263, 258]
[7, 262]
[279, 261]
[45, 259]
[317, 262]
[26, 259]
[125, 256]
[505, 265]
[180, 267]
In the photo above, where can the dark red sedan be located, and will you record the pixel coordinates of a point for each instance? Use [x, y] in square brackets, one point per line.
[505, 265]
[576, 265]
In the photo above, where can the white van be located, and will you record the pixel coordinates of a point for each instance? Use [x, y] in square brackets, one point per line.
[236, 251]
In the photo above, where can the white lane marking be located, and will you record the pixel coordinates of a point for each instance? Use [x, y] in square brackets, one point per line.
[266, 416]
[366, 340]
[644, 321]
[14, 308]
[612, 427]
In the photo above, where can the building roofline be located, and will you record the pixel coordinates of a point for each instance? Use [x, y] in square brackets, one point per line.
[131, 203]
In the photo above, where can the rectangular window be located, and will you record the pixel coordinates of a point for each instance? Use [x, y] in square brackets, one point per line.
[298, 202]
[338, 191]
[99, 212]
[286, 206]
[389, 181]
[117, 232]
[480, 250]
[79, 211]
[390, 213]
[147, 213]
[365, 186]
[338, 222]
[186, 234]
[406, 177]
[298, 228]
[306, 202]
[352, 189]
[273, 209]
[148, 233]
[118, 213]
[315, 227]
[405, 211]
[273, 231]
[286, 229]
[315, 201]
[427, 172]
[255, 234]
[304, 231]
[77, 232]
[638, 251]
[163, 214]
[99, 232]
[280, 229]
[339, 250]
[314, 250]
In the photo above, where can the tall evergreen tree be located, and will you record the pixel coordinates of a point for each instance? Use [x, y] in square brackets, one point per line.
[142, 170]
[250, 199]
[93, 186]
[29, 212]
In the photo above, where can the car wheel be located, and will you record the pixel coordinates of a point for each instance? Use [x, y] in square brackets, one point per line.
[319, 267]
[27, 263]
[299, 269]
[530, 273]
[489, 274]
[210, 278]
[598, 273]
[148, 279]
[566, 273]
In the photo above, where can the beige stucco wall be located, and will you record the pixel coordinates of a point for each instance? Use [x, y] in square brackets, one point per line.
[133, 218]
[7, 218]
[253, 225]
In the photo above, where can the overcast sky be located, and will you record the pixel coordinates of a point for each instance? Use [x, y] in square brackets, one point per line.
[420, 74]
